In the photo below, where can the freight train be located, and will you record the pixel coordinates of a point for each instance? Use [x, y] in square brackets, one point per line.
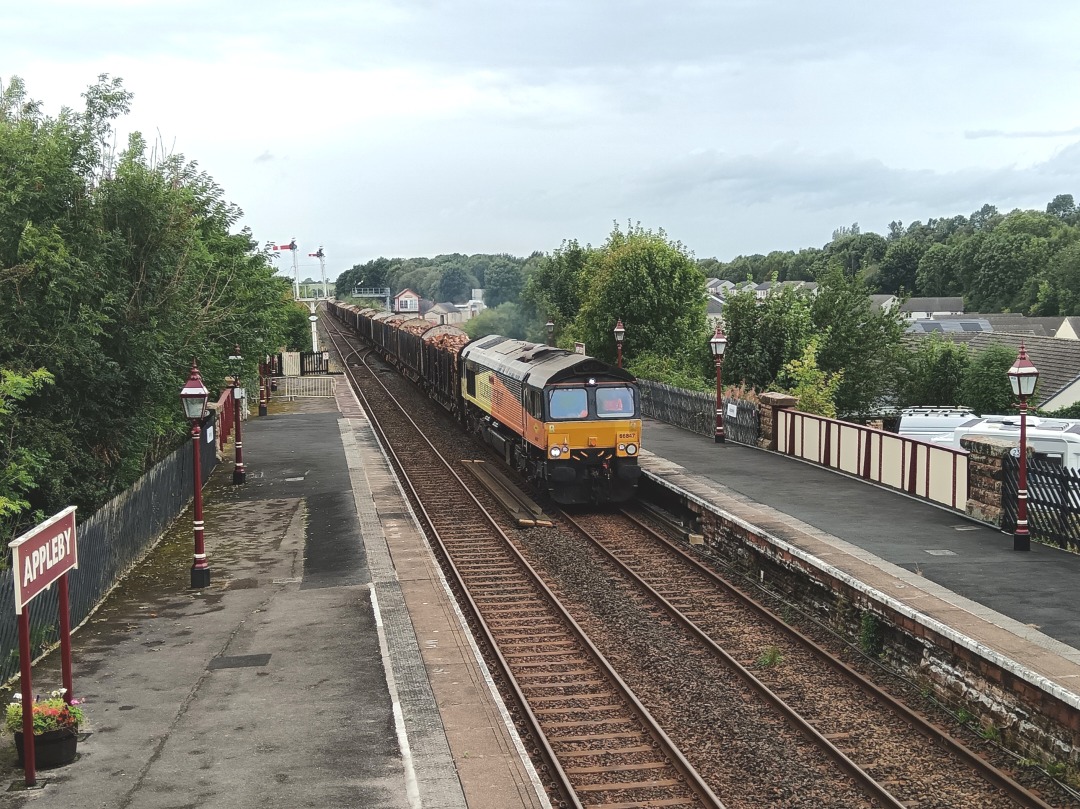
[568, 422]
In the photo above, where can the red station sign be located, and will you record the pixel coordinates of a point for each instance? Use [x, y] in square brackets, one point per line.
[42, 555]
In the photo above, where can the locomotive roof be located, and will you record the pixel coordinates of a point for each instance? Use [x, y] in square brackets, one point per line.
[539, 364]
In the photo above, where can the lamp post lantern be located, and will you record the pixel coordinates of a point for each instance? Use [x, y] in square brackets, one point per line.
[717, 344]
[620, 335]
[550, 326]
[239, 475]
[193, 396]
[1022, 377]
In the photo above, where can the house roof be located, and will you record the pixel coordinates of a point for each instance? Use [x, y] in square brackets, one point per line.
[880, 300]
[932, 305]
[973, 325]
[1015, 323]
[714, 306]
[1058, 361]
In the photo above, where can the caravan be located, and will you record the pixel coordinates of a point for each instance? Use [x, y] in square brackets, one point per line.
[1054, 440]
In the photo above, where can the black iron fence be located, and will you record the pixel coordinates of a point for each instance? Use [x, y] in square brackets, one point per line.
[110, 541]
[695, 411]
[1053, 501]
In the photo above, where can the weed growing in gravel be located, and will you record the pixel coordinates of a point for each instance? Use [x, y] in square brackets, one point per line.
[990, 733]
[963, 716]
[769, 658]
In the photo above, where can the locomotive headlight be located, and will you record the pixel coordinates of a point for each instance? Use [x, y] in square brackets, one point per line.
[556, 452]
[631, 449]
[622, 447]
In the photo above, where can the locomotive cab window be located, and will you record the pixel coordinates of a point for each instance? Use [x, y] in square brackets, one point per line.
[568, 403]
[615, 402]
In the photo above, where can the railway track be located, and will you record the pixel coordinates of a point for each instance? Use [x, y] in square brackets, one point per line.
[888, 748]
[566, 707]
[592, 735]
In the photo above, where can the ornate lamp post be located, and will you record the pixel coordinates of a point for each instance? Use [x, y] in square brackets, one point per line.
[550, 326]
[193, 396]
[1022, 376]
[620, 335]
[235, 360]
[717, 344]
[264, 371]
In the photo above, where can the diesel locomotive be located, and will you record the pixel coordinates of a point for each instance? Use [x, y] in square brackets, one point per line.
[568, 422]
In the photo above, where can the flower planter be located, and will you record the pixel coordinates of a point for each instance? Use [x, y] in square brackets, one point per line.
[54, 748]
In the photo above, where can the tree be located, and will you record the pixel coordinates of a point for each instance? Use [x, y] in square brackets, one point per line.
[935, 373]
[455, 284]
[899, 267]
[1063, 207]
[764, 336]
[504, 282]
[558, 283]
[986, 388]
[19, 466]
[654, 286]
[815, 389]
[859, 339]
[506, 319]
[937, 275]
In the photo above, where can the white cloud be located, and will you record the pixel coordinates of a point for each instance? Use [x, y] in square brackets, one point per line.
[414, 126]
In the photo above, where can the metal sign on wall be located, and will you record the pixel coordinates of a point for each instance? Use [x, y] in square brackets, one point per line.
[42, 555]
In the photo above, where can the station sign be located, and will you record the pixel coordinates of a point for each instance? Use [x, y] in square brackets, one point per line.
[42, 555]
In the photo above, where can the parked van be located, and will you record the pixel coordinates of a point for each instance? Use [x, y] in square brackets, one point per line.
[1056, 440]
[924, 422]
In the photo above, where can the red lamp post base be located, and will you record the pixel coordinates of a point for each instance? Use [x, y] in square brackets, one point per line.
[719, 438]
[238, 476]
[200, 577]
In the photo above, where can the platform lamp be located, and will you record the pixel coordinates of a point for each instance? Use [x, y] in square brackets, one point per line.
[1022, 376]
[236, 363]
[550, 326]
[717, 344]
[193, 396]
[620, 335]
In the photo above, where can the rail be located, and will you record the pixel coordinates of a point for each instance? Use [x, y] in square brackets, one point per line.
[928, 471]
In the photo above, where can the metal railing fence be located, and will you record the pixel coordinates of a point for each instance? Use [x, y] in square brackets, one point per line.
[696, 411]
[110, 542]
[1053, 501]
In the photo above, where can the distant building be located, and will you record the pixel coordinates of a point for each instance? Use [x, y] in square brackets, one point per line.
[927, 308]
[407, 301]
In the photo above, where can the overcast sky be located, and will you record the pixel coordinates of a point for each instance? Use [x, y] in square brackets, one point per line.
[418, 127]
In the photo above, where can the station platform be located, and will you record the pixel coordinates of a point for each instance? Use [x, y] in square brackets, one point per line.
[325, 666]
[1016, 608]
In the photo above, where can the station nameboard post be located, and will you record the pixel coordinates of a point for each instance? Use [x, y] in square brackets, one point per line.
[40, 557]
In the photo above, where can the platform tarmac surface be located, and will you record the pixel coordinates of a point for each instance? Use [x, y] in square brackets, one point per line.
[1023, 602]
[325, 666]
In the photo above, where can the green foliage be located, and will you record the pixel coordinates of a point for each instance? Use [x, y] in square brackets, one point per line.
[770, 658]
[764, 336]
[504, 281]
[558, 283]
[116, 270]
[506, 319]
[670, 370]
[859, 340]
[1069, 412]
[19, 466]
[871, 639]
[986, 386]
[649, 282]
[935, 373]
[815, 389]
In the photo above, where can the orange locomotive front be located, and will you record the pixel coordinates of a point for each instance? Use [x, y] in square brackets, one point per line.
[569, 422]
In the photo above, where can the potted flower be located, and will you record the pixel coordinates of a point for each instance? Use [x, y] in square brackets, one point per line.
[56, 728]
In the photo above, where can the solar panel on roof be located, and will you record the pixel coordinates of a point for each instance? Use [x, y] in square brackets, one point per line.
[964, 326]
[933, 327]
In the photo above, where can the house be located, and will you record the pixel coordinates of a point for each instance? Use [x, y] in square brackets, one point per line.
[926, 308]
[714, 311]
[407, 301]
[971, 325]
[718, 287]
[444, 314]
[885, 303]
[1059, 327]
